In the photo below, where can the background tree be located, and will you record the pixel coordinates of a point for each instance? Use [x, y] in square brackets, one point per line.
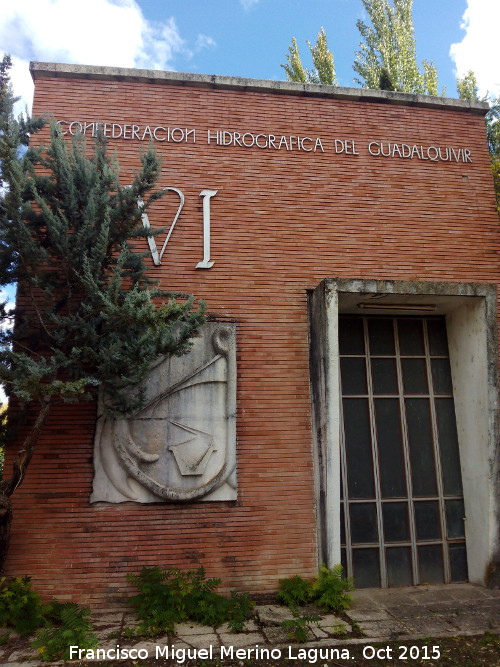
[493, 133]
[468, 89]
[387, 56]
[294, 69]
[87, 316]
[323, 70]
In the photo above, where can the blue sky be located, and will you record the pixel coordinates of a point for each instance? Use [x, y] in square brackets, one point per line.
[253, 42]
[246, 38]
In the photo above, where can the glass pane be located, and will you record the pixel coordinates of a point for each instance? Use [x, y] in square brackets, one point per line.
[381, 333]
[385, 380]
[358, 448]
[423, 469]
[390, 448]
[438, 341]
[458, 562]
[396, 528]
[353, 373]
[427, 520]
[441, 376]
[430, 564]
[343, 560]
[455, 514]
[363, 523]
[399, 571]
[414, 376]
[411, 337]
[366, 568]
[431, 430]
[351, 336]
[448, 445]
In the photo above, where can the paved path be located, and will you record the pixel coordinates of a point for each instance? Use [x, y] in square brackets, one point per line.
[375, 615]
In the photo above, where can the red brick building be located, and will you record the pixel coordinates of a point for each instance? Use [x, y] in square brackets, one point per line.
[349, 229]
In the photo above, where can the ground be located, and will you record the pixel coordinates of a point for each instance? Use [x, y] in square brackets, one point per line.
[474, 651]
[443, 626]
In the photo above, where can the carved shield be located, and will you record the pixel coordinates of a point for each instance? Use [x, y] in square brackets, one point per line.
[181, 445]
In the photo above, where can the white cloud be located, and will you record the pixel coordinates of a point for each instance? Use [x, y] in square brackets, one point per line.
[247, 4]
[204, 42]
[478, 49]
[22, 83]
[96, 32]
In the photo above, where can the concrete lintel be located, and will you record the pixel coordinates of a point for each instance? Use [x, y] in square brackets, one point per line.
[41, 70]
[411, 287]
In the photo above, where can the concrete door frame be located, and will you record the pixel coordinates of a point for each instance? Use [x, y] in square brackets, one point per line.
[471, 316]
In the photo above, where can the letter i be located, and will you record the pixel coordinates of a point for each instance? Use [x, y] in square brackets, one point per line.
[206, 263]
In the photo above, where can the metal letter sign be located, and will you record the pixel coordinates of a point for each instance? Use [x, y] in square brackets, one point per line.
[207, 195]
[206, 263]
[151, 239]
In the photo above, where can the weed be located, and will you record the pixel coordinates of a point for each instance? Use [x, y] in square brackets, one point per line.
[489, 638]
[200, 602]
[299, 625]
[156, 605]
[21, 607]
[71, 626]
[330, 589]
[4, 638]
[172, 596]
[294, 591]
[130, 633]
[239, 610]
[339, 629]
[58, 625]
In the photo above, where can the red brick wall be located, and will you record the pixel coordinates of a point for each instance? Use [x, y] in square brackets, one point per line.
[281, 222]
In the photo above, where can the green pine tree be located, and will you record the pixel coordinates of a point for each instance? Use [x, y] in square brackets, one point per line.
[87, 316]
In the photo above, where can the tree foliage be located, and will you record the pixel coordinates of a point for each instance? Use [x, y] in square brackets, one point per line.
[468, 89]
[87, 315]
[323, 70]
[387, 57]
[90, 315]
[295, 71]
[493, 133]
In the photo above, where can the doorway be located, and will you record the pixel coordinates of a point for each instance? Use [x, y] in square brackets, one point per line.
[401, 497]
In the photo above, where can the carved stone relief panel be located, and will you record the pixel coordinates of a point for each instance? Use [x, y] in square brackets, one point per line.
[181, 445]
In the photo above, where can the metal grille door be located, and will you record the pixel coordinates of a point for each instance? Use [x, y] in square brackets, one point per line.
[402, 509]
